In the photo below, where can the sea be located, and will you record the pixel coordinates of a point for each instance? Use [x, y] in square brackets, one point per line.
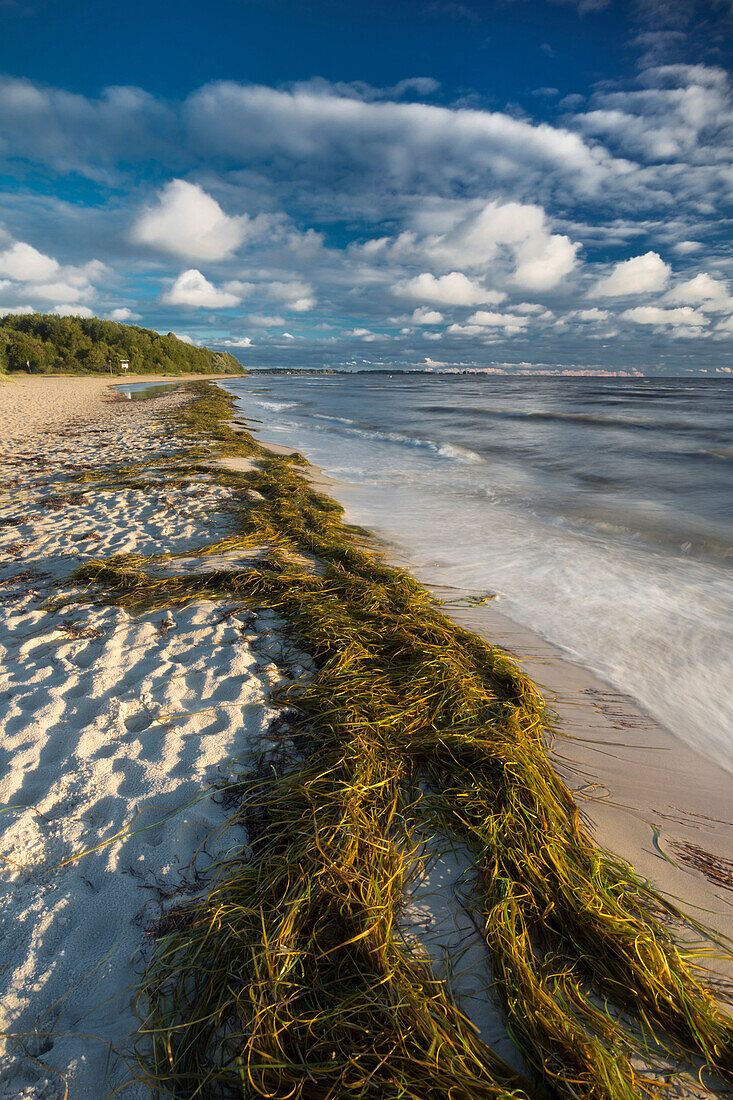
[598, 510]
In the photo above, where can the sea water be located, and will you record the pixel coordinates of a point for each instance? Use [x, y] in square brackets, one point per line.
[600, 510]
[141, 391]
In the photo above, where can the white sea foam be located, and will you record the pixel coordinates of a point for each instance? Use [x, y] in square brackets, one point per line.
[277, 406]
[445, 450]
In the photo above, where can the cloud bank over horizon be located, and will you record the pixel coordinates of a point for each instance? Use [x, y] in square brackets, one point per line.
[338, 224]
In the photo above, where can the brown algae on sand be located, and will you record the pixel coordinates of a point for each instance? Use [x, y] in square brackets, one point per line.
[291, 977]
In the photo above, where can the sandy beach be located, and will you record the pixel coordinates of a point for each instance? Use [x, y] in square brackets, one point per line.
[111, 726]
[31, 407]
[115, 729]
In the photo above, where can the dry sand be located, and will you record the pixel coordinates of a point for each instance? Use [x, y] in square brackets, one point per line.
[110, 726]
[30, 406]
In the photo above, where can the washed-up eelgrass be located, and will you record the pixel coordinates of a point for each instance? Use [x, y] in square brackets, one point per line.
[291, 977]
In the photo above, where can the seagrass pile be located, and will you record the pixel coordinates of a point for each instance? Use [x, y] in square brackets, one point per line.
[291, 978]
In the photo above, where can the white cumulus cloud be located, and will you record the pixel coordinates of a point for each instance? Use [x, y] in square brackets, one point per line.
[512, 239]
[453, 289]
[59, 291]
[35, 277]
[24, 263]
[187, 222]
[295, 295]
[191, 288]
[639, 275]
[712, 295]
[237, 342]
[490, 319]
[72, 311]
[43, 279]
[122, 313]
[425, 316]
[593, 314]
[656, 315]
[684, 248]
[680, 111]
[6, 311]
[542, 263]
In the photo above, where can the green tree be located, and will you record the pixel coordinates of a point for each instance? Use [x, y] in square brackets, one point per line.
[86, 345]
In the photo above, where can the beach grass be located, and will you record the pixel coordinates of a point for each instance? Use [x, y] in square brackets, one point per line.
[291, 976]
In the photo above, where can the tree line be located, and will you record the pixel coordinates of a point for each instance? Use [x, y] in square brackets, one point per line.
[43, 343]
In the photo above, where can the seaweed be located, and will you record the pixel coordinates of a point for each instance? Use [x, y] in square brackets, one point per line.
[290, 976]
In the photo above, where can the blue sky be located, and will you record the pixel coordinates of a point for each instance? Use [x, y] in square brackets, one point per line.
[365, 184]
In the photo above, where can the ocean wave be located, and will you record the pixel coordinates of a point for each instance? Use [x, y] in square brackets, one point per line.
[335, 419]
[445, 450]
[453, 450]
[277, 406]
[599, 419]
[718, 452]
[671, 533]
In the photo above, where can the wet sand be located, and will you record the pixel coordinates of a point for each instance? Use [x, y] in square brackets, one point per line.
[648, 796]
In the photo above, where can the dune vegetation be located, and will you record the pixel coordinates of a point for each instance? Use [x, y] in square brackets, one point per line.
[289, 975]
